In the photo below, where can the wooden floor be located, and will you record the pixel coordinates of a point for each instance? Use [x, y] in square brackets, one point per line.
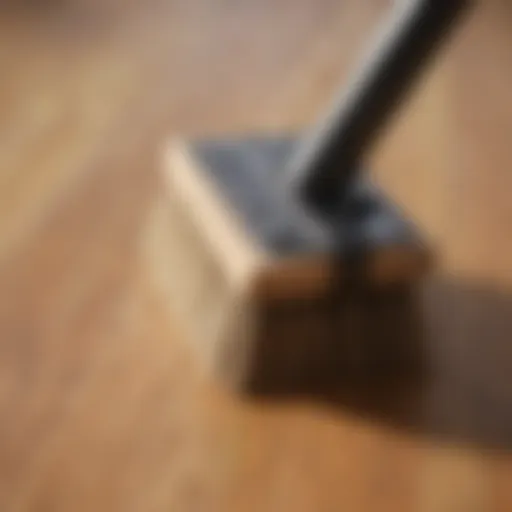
[100, 406]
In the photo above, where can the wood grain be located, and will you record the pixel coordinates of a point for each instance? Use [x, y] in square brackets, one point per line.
[100, 408]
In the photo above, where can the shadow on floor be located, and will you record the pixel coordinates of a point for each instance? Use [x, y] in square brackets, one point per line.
[445, 372]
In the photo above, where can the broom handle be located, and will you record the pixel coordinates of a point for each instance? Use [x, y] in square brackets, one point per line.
[330, 156]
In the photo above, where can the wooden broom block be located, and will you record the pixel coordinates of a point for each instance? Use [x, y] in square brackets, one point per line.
[254, 308]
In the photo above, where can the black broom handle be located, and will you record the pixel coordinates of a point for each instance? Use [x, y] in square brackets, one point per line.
[330, 156]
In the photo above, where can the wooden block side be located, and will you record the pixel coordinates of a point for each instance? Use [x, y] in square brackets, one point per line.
[399, 264]
[318, 277]
[205, 211]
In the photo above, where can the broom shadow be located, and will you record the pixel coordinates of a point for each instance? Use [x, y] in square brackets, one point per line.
[437, 363]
